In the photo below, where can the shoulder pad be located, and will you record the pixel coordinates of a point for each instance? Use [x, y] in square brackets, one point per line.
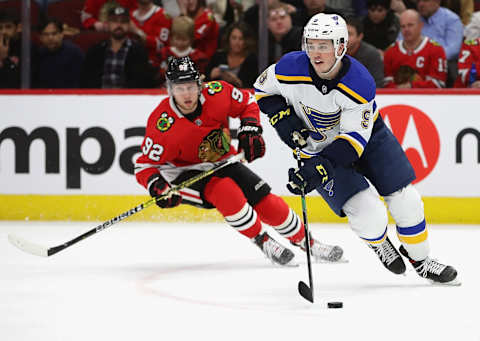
[293, 68]
[358, 84]
[470, 42]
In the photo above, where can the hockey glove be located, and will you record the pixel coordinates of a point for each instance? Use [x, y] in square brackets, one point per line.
[313, 173]
[290, 128]
[250, 139]
[157, 187]
[214, 145]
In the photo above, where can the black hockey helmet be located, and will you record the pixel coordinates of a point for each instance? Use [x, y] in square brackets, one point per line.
[182, 69]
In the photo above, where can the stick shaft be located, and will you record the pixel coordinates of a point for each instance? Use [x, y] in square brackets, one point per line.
[142, 206]
[305, 226]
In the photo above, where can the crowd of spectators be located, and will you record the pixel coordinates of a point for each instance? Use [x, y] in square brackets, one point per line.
[403, 43]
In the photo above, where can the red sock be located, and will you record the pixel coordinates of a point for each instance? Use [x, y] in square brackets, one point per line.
[230, 201]
[275, 212]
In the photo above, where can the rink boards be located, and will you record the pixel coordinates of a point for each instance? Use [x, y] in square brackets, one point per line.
[66, 156]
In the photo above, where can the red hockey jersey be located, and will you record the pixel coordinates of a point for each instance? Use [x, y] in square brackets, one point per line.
[91, 10]
[156, 25]
[468, 63]
[171, 140]
[206, 32]
[428, 60]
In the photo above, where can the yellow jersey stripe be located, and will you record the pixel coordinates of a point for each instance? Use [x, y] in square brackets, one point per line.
[352, 93]
[421, 237]
[294, 78]
[261, 95]
[355, 144]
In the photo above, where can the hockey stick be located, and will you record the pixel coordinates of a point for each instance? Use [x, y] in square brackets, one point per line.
[39, 250]
[305, 290]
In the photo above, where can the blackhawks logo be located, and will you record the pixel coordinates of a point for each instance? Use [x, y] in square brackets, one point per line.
[214, 87]
[164, 122]
[214, 145]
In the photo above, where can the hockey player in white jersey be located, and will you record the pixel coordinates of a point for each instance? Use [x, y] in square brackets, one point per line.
[329, 99]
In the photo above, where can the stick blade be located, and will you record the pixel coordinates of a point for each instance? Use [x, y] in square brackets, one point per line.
[28, 247]
[305, 291]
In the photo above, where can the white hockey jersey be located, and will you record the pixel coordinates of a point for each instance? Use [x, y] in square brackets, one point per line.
[341, 108]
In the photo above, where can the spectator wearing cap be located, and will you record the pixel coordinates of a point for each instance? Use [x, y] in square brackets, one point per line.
[152, 25]
[91, 14]
[206, 27]
[302, 15]
[117, 62]
[365, 53]
[283, 35]
[10, 49]
[381, 25]
[58, 62]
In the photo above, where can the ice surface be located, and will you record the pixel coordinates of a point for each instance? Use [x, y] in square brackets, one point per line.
[163, 281]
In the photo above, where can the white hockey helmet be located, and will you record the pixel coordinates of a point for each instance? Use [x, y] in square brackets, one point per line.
[327, 26]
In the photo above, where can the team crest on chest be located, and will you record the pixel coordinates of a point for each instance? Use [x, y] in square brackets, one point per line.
[164, 122]
[320, 121]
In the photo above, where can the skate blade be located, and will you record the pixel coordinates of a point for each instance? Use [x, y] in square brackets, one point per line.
[454, 283]
[326, 261]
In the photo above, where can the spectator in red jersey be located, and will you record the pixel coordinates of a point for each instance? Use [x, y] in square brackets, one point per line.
[468, 64]
[91, 12]
[236, 62]
[152, 25]
[117, 62]
[181, 42]
[206, 28]
[416, 61]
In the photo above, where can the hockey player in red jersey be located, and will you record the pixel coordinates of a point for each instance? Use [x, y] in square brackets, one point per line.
[416, 61]
[468, 64]
[152, 25]
[188, 132]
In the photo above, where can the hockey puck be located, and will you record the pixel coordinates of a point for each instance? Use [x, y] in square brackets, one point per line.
[334, 305]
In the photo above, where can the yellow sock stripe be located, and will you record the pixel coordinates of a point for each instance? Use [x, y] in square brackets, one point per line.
[421, 237]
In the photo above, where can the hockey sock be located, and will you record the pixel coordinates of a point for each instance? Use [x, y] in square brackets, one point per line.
[230, 201]
[275, 212]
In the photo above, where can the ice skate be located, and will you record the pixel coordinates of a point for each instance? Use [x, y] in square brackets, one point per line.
[432, 270]
[389, 256]
[324, 252]
[274, 251]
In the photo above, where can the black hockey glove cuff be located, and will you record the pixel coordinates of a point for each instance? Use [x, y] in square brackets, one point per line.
[158, 187]
[283, 118]
[250, 139]
[314, 172]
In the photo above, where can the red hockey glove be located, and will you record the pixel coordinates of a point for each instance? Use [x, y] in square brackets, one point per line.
[250, 139]
[157, 187]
